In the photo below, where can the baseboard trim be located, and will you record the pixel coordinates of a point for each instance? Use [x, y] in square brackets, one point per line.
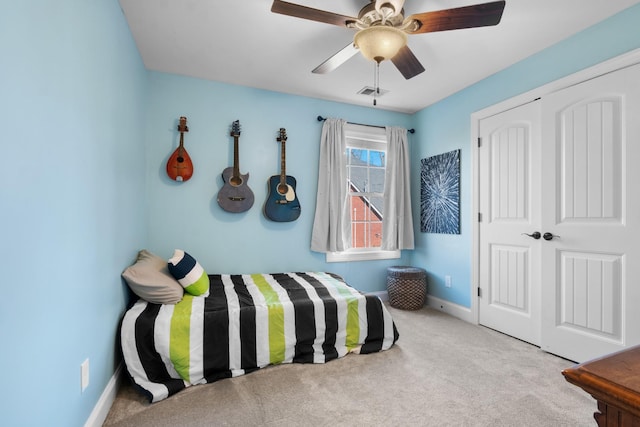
[461, 312]
[448, 307]
[101, 410]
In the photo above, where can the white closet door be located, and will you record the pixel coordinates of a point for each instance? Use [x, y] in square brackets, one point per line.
[591, 206]
[509, 204]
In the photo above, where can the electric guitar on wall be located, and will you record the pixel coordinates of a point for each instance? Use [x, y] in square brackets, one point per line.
[235, 196]
[282, 204]
[179, 166]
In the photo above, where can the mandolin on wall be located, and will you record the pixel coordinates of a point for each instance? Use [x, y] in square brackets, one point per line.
[179, 165]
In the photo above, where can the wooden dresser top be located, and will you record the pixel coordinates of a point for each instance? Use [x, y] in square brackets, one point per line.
[614, 379]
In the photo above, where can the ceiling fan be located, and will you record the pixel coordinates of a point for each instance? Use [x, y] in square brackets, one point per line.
[383, 29]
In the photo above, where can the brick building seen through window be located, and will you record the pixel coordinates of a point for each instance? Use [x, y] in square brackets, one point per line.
[366, 169]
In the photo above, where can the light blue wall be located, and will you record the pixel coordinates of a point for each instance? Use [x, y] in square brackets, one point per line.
[186, 215]
[72, 211]
[445, 126]
[86, 134]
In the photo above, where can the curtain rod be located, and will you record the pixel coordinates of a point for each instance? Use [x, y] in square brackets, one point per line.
[322, 119]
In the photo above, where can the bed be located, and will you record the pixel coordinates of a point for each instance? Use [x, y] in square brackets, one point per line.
[247, 322]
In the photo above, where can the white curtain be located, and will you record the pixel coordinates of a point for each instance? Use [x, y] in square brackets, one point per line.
[397, 223]
[332, 222]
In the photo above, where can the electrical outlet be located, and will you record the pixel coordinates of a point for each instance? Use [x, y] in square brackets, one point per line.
[84, 375]
[447, 281]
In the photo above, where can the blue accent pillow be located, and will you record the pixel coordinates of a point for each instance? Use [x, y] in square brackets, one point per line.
[189, 273]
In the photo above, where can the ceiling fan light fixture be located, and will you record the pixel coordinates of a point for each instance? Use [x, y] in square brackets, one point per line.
[395, 5]
[380, 42]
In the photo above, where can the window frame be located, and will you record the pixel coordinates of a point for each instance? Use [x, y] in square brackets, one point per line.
[369, 138]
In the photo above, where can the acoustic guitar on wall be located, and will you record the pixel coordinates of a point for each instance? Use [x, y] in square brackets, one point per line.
[282, 203]
[235, 195]
[179, 165]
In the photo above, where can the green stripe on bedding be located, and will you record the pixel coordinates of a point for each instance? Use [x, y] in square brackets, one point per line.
[277, 342]
[353, 315]
[179, 346]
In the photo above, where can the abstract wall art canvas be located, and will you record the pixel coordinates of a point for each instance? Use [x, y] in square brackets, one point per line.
[440, 194]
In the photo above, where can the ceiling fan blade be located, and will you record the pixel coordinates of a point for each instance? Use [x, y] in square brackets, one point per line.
[304, 12]
[479, 15]
[336, 60]
[407, 63]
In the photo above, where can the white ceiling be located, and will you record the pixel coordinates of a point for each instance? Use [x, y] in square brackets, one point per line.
[242, 42]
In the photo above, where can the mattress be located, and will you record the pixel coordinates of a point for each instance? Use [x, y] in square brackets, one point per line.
[248, 322]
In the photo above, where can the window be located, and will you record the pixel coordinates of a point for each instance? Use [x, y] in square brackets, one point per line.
[365, 175]
[366, 164]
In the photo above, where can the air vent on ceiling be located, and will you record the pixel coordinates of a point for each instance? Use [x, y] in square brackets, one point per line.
[370, 91]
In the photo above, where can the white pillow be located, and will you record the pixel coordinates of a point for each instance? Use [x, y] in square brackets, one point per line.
[149, 278]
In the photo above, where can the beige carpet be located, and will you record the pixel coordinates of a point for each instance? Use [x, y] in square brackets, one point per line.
[442, 372]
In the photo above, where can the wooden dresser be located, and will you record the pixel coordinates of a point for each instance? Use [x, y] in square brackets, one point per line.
[614, 381]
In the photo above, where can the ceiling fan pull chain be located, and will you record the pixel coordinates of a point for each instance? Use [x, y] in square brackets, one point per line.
[376, 82]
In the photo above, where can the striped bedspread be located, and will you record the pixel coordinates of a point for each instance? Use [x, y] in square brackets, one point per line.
[246, 323]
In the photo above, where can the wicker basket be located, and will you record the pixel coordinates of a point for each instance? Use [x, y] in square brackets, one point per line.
[407, 287]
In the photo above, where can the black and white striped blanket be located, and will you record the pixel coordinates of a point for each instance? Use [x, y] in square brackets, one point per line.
[246, 323]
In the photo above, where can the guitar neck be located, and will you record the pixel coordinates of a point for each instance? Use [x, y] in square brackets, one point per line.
[283, 168]
[236, 158]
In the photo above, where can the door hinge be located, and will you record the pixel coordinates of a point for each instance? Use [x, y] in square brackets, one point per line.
[479, 217]
[479, 142]
[479, 292]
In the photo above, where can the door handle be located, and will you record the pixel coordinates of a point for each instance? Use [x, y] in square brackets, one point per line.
[534, 235]
[549, 236]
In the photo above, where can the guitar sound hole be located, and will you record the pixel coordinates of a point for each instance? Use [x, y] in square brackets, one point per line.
[283, 189]
[235, 181]
[180, 159]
